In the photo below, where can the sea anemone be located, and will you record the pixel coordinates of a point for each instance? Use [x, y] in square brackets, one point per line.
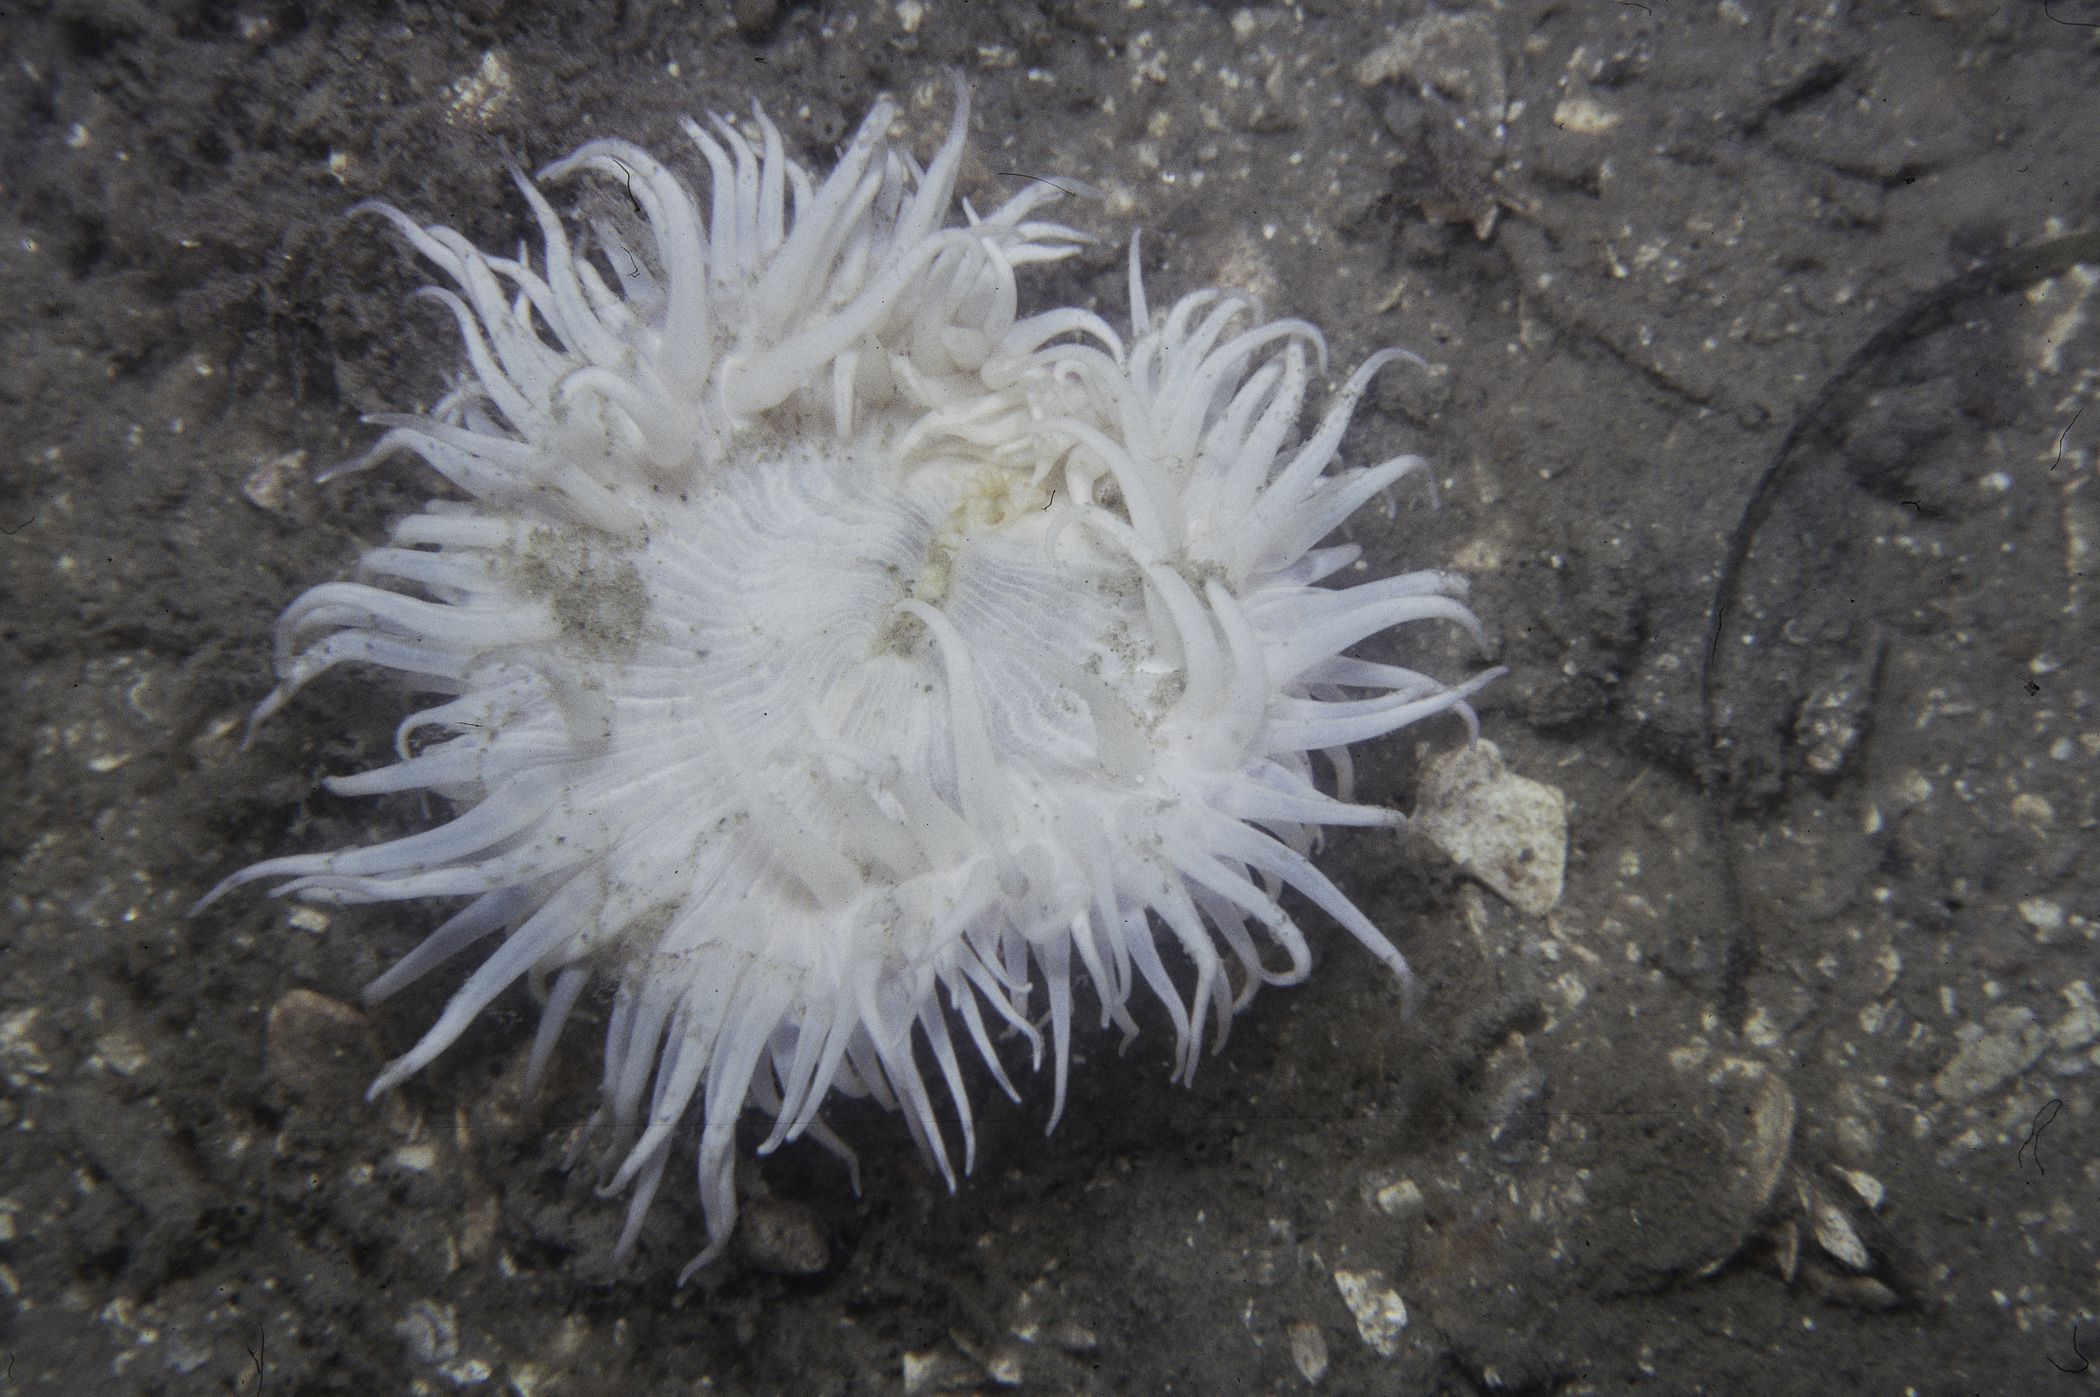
[819, 640]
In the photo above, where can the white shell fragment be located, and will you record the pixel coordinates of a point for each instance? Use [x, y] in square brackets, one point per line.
[1787, 1243]
[1380, 1312]
[1834, 1232]
[1868, 1187]
[1308, 1350]
[1750, 1114]
[1772, 1138]
[1508, 831]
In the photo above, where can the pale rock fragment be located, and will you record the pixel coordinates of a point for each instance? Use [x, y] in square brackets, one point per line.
[20, 1057]
[431, 1331]
[2032, 809]
[122, 1053]
[1308, 1350]
[2007, 1043]
[2046, 917]
[1457, 57]
[1832, 719]
[1397, 1198]
[483, 94]
[1508, 831]
[319, 1049]
[1585, 116]
[1380, 1312]
[938, 1369]
[269, 484]
[784, 1238]
[2082, 1025]
[1455, 64]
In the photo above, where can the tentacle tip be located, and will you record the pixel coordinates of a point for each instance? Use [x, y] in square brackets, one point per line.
[560, 169]
[262, 713]
[1410, 994]
[393, 1075]
[705, 1259]
[343, 468]
[220, 889]
[371, 206]
[1393, 351]
[510, 160]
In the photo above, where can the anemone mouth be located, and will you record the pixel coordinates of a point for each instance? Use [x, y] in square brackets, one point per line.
[831, 658]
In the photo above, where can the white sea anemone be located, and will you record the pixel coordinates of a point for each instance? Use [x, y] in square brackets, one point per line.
[820, 640]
